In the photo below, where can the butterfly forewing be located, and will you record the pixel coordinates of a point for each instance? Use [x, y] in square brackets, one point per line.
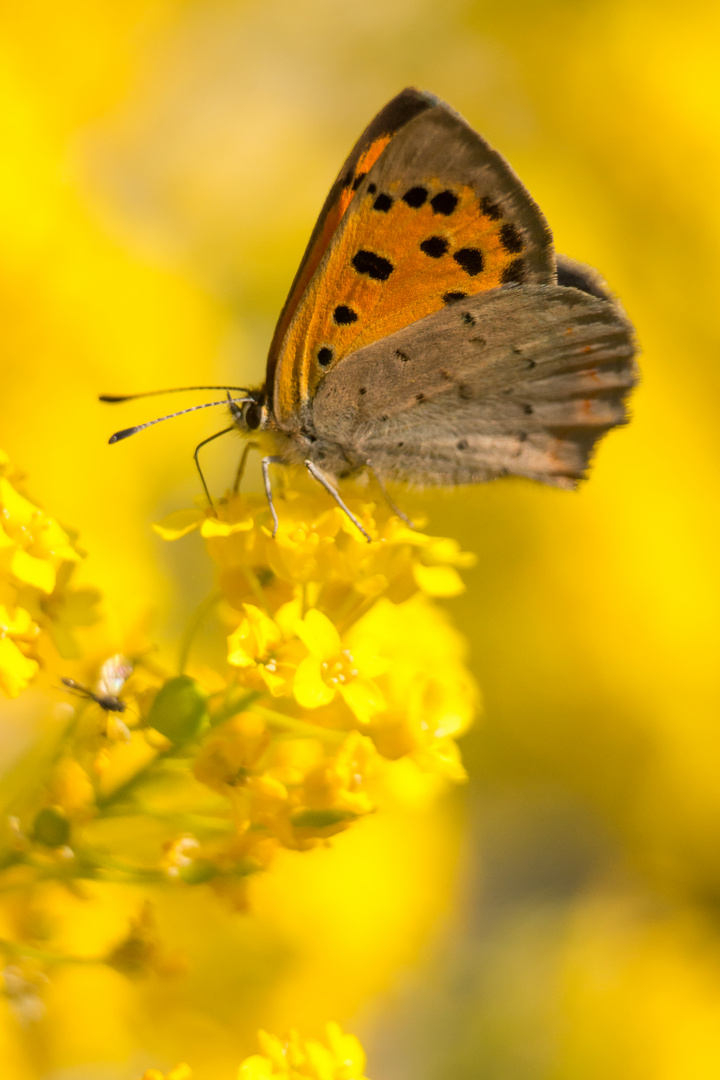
[517, 381]
[373, 141]
[439, 217]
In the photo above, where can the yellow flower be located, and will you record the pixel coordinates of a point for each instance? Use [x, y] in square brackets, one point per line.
[229, 755]
[142, 951]
[257, 646]
[318, 547]
[431, 696]
[295, 789]
[340, 1057]
[329, 669]
[334, 791]
[37, 559]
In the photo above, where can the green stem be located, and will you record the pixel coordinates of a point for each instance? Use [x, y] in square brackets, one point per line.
[20, 948]
[298, 727]
[199, 616]
[237, 701]
[104, 802]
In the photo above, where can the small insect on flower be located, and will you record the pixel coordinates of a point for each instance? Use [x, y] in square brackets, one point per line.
[113, 675]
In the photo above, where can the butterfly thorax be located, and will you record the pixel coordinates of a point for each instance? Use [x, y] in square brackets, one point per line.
[293, 444]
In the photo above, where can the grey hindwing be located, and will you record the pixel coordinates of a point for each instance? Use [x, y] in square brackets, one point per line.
[519, 380]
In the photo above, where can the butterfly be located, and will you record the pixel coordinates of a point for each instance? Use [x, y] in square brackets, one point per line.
[431, 334]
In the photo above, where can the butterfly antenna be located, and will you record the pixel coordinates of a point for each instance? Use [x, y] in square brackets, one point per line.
[127, 432]
[113, 399]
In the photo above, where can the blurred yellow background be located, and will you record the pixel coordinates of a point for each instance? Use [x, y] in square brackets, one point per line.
[163, 167]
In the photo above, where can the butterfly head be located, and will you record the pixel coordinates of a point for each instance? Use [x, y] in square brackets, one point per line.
[251, 413]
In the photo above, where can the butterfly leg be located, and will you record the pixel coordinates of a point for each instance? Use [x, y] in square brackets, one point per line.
[395, 509]
[241, 467]
[315, 472]
[197, 463]
[266, 461]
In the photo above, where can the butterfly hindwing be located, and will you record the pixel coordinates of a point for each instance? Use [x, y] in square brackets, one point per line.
[437, 218]
[520, 380]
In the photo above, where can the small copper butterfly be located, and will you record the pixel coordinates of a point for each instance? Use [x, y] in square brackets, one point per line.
[431, 334]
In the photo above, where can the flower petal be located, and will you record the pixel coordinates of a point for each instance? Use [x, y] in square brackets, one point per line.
[18, 511]
[255, 1068]
[32, 571]
[18, 624]
[213, 526]
[178, 524]
[240, 650]
[438, 580]
[309, 689]
[264, 629]
[318, 635]
[16, 670]
[364, 698]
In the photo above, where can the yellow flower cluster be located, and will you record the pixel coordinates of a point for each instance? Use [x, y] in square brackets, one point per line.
[339, 665]
[37, 560]
[340, 1057]
[325, 622]
[340, 661]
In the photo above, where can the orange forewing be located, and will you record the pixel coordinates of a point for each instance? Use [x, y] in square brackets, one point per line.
[364, 155]
[419, 285]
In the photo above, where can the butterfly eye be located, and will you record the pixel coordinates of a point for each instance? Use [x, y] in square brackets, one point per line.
[252, 415]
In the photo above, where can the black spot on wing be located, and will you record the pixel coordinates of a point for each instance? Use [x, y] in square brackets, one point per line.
[490, 209]
[344, 315]
[514, 273]
[510, 238]
[372, 265]
[470, 259]
[434, 246]
[372, 188]
[324, 356]
[415, 196]
[453, 297]
[358, 180]
[383, 202]
[444, 202]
